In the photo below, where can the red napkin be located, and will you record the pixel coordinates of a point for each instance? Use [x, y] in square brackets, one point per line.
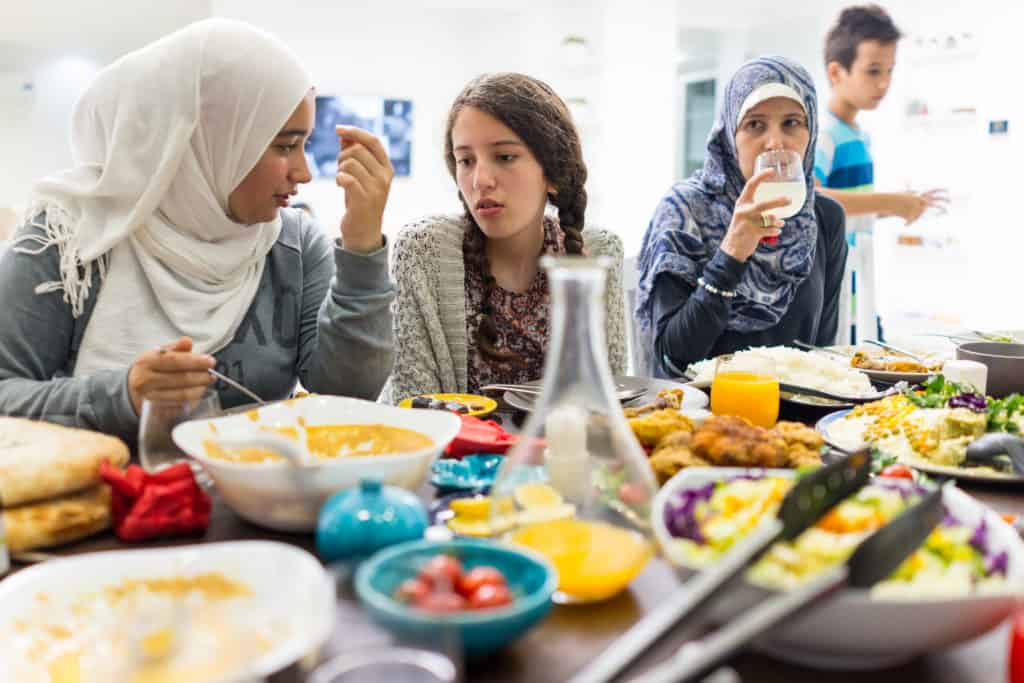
[479, 436]
[144, 505]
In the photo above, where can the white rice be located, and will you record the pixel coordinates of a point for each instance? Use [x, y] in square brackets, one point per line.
[791, 366]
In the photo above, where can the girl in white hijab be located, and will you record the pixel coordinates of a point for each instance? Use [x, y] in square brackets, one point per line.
[184, 153]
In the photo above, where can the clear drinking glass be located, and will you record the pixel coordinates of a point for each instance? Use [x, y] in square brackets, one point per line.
[390, 664]
[157, 449]
[747, 387]
[788, 182]
[577, 487]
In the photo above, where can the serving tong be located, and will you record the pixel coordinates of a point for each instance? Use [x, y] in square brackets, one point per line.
[991, 447]
[810, 498]
[874, 559]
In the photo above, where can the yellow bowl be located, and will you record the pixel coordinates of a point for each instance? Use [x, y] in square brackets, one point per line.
[488, 405]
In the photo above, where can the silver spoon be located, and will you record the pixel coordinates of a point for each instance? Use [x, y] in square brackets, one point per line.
[896, 349]
[232, 383]
[266, 441]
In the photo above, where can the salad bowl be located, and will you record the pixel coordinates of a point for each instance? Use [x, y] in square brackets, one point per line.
[858, 629]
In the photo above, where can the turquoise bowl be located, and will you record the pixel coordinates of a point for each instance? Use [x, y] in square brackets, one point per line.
[474, 471]
[530, 577]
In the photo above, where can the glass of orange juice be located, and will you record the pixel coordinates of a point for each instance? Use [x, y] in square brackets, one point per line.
[747, 390]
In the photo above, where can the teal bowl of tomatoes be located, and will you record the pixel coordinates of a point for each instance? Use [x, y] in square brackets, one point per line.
[478, 595]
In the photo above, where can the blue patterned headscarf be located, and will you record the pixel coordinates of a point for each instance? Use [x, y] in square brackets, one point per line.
[690, 222]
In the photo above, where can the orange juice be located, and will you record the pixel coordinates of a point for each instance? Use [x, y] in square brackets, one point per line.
[755, 397]
[595, 560]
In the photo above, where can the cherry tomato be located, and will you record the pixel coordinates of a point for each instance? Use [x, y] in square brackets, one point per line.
[442, 602]
[480, 576]
[1016, 657]
[489, 595]
[897, 472]
[631, 493]
[412, 590]
[441, 572]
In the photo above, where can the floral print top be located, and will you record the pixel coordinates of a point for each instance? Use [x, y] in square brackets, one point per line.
[521, 321]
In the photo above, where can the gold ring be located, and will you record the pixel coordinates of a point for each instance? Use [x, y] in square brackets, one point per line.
[766, 222]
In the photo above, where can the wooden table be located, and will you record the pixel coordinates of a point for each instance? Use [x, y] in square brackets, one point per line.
[572, 635]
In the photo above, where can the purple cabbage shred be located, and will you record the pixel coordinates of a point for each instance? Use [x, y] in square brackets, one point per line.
[975, 402]
[681, 512]
[997, 564]
[979, 539]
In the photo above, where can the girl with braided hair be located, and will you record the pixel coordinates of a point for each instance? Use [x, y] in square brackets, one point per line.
[472, 303]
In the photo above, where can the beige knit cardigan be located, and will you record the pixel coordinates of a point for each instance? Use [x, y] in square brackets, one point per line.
[429, 309]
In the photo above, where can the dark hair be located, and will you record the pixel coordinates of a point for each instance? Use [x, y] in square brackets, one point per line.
[855, 26]
[542, 120]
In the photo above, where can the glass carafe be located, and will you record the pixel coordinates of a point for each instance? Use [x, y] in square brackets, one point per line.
[577, 488]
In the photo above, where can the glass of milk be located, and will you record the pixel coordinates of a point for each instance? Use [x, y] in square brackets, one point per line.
[788, 182]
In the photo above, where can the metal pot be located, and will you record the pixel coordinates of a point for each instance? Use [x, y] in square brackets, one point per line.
[1005, 365]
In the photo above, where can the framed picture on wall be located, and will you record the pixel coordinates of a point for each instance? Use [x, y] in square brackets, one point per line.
[389, 119]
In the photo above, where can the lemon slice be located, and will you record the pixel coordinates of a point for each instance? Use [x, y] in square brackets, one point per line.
[471, 508]
[547, 513]
[537, 495]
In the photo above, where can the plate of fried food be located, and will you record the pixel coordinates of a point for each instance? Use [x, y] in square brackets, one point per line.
[886, 366]
[676, 440]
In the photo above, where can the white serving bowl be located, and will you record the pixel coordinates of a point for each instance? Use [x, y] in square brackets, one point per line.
[290, 588]
[280, 496]
[852, 630]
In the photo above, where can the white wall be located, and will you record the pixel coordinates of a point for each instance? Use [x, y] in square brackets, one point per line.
[424, 54]
[426, 51]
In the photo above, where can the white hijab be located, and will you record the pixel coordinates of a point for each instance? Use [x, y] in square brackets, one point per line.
[159, 141]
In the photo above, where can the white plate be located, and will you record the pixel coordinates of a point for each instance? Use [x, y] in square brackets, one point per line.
[981, 475]
[288, 584]
[279, 496]
[851, 630]
[693, 396]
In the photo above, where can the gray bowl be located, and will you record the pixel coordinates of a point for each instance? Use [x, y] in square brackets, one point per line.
[1005, 365]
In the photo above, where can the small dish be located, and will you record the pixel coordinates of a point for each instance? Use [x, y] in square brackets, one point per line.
[531, 579]
[476, 406]
[466, 473]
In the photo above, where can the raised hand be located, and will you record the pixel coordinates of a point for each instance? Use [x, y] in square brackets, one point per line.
[752, 221]
[365, 173]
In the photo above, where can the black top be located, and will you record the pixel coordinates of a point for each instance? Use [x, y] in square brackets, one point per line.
[690, 322]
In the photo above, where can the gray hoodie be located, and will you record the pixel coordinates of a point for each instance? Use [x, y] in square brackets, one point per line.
[321, 315]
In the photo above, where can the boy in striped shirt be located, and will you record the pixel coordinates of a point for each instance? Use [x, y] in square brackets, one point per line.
[860, 54]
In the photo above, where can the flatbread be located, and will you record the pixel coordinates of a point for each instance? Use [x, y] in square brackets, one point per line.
[58, 521]
[40, 460]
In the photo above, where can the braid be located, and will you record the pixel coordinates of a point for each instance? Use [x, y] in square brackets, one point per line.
[570, 218]
[535, 113]
[474, 252]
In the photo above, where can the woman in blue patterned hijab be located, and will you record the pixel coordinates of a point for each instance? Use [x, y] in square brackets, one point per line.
[709, 282]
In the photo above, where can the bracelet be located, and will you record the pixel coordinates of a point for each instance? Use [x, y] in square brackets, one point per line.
[724, 293]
